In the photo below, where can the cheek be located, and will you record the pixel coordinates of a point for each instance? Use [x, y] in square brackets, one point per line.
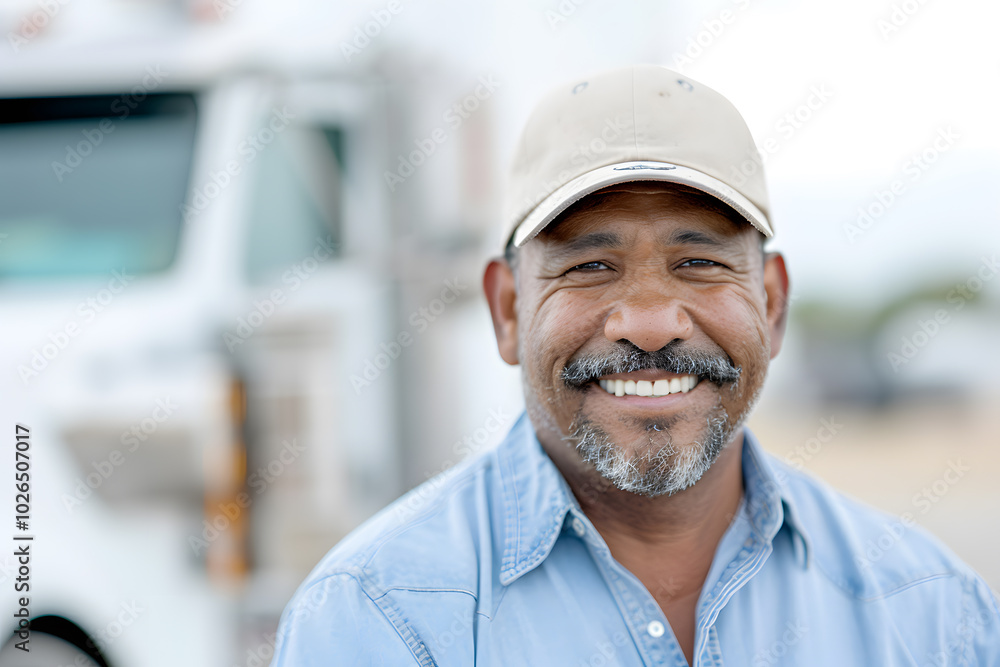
[738, 324]
[556, 329]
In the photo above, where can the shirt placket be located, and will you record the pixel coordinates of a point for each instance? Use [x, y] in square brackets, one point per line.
[645, 620]
[749, 560]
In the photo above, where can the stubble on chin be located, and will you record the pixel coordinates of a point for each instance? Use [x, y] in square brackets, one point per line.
[654, 464]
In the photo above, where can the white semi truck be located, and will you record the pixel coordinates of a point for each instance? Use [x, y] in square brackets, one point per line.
[192, 246]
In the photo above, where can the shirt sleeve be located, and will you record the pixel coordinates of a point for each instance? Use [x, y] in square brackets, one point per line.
[335, 622]
[984, 626]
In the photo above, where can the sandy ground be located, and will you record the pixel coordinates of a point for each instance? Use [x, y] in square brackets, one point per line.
[899, 460]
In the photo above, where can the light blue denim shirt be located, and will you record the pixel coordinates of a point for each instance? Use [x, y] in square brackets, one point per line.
[493, 563]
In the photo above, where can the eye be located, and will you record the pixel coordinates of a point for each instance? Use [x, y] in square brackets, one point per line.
[589, 266]
[701, 262]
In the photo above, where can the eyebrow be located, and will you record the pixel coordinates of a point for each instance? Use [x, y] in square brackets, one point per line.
[691, 237]
[603, 240]
[592, 241]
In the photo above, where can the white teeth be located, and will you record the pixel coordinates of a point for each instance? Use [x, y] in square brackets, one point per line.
[680, 385]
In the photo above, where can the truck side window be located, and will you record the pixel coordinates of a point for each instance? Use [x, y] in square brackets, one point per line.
[295, 199]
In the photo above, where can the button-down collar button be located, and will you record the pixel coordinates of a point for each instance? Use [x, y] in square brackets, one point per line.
[655, 629]
[578, 527]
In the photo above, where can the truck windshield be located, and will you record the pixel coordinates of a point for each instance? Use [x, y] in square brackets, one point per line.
[90, 184]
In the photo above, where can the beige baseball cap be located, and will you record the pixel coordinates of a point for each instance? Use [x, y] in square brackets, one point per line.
[638, 123]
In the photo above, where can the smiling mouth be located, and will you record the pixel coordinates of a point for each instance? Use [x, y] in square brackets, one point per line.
[659, 387]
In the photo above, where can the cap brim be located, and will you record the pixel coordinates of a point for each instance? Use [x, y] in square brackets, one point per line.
[624, 172]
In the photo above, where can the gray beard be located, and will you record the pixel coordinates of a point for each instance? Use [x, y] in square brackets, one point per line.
[661, 467]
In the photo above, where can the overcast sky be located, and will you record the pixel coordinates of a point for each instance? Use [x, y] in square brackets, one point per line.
[886, 85]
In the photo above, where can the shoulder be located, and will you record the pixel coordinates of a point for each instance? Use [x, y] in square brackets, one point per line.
[876, 559]
[436, 524]
[867, 550]
[879, 558]
[436, 539]
[333, 615]
[435, 536]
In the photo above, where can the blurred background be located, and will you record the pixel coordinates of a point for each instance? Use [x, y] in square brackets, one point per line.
[241, 245]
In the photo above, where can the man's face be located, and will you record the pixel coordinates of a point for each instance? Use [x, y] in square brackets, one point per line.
[645, 292]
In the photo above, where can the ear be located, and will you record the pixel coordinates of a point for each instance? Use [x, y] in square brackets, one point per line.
[501, 293]
[776, 287]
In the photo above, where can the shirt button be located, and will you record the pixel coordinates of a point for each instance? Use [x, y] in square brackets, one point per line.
[578, 527]
[655, 629]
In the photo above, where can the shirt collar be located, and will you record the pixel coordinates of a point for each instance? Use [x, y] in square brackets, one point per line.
[770, 505]
[536, 499]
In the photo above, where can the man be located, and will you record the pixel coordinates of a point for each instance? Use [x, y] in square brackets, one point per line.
[629, 518]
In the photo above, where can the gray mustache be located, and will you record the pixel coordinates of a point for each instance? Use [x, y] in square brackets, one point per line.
[626, 357]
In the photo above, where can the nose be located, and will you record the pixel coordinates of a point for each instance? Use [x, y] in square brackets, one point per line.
[649, 318]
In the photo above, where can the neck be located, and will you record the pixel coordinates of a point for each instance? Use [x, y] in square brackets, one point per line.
[680, 531]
